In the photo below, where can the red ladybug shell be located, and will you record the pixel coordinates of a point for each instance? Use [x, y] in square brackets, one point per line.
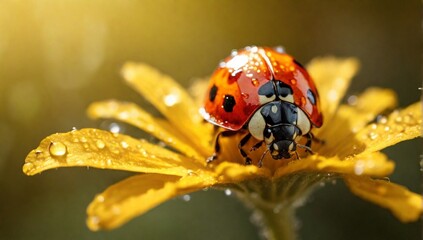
[232, 95]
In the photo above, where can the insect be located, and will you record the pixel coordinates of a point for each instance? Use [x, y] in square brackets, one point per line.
[268, 94]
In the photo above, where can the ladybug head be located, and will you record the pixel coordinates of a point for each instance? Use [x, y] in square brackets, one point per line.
[281, 149]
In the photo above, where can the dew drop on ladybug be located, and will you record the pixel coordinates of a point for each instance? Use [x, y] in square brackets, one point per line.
[267, 95]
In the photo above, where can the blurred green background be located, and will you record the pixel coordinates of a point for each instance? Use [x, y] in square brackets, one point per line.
[58, 56]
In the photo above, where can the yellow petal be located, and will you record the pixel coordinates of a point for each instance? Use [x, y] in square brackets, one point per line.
[132, 114]
[370, 164]
[399, 126]
[339, 132]
[136, 195]
[405, 205]
[332, 77]
[228, 172]
[170, 99]
[106, 150]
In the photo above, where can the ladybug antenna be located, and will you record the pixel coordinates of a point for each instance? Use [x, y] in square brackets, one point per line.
[260, 162]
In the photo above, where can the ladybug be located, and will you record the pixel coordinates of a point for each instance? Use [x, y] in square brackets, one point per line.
[268, 94]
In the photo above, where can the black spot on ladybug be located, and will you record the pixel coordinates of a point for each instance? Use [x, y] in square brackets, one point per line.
[267, 89]
[229, 103]
[299, 64]
[283, 89]
[311, 97]
[212, 93]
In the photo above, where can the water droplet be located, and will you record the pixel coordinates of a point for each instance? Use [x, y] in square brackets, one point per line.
[352, 100]
[381, 119]
[398, 119]
[83, 139]
[205, 189]
[38, 152]
[74, 129]
[109, 162]
[373, 126]
[100, 198]
[234, 53]
[114, 128]
[279, 49]
[124, 144]
[293, 81]
[94, 221]
[373, 135]
[100, 144]
[186, 198]
[399, 128]
[407, 119]
[171, 99]
[245, 95]
[233, 77]
[57, 149]
[255, 82]
[228, 192]
[359, 167]
[387, 128]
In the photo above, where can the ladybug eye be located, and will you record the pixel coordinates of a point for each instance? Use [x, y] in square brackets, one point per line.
[267, 90]
[283, 89]
[212, 93]
[228, 103]
[311, 97]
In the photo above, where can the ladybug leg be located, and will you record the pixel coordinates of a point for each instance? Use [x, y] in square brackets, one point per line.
[256, 146]
[296, 154]
[213, 157]
[244, 141]
[307, 146]
[312, 137]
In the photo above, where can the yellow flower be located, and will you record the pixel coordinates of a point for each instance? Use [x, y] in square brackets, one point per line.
[351, 150]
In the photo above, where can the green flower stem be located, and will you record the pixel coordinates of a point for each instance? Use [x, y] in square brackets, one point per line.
[276, 224]
[274, 202]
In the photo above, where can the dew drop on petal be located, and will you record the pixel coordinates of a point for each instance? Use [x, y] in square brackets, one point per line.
[373, 135]
[100, 198]
[109, 162]
[352, 100]
[359, 167]
[114, 128]
[398, 119]
[100, 144]
[57, 149]
[124, 144]
[171, 99]
[93, 222]
[381, 119]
